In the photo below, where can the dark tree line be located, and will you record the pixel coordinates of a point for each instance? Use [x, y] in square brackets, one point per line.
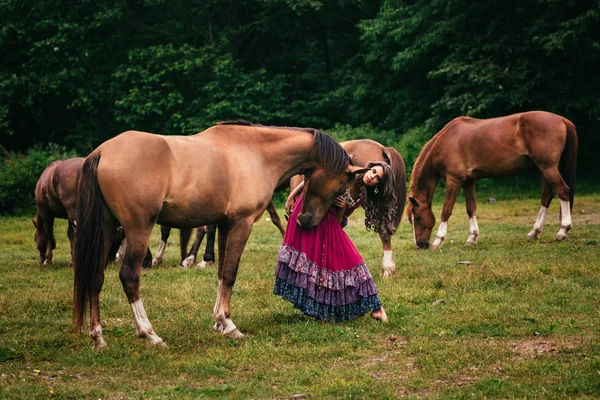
[76, 73]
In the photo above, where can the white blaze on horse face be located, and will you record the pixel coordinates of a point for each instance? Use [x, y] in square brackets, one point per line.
[473, 231]
[143, 325]
[539, 223]
[565, 223]
[440, 236]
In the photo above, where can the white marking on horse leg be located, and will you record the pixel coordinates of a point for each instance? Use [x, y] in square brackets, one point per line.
[189, 261]
[539, 224]
[159, 253]
[96, 335]
[121, 251]
[387, 264]
[473, 231]
[440, 235]
[143, 325]
[223, 324]
[205, 264]
[565, 223]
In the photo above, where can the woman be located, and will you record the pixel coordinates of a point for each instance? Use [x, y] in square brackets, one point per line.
[319, 270]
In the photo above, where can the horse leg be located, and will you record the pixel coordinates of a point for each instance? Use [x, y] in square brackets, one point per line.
[547, 195]
[388, 267]
[231, 246]
[71, 236]
[50, 239]
[165, 231]
[190, 259]
[122, 248]
[137, 248]
[208, 259]
[552, 175]
[184, 239]
[275, 217]
[469, 191]
[452, 188]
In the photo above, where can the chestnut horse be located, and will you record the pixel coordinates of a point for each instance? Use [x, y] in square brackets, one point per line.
[55, 198]
[225, 175]
[362, 151]
[467, 149]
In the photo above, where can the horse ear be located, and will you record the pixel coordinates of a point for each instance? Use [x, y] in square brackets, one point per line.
[352, 155]
[352, 169]
[34, 223]
[413, 201]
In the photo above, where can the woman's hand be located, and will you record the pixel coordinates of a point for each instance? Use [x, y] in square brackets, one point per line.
[289, 205]
[340, 202]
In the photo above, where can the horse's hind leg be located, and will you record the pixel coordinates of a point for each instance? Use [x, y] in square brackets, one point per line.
[547, 194]
[190, 259]
[165, 231]
[231, 246]
[71, 236]
[137, 247]
[388, 267]
[50, 239]
[552, 175]
[208, 259]
[469, 191]
[275, 217]
[184, 239]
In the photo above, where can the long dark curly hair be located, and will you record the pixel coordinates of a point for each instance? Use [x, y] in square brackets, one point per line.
[380, 207]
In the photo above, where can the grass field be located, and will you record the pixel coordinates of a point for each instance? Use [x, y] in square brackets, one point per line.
[521, 321]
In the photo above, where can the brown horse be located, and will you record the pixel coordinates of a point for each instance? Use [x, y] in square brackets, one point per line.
[362, 151]
[467, 149]
[225, 175]
[55, 197]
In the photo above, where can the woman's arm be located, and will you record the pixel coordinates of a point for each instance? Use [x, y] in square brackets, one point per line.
[291, 200]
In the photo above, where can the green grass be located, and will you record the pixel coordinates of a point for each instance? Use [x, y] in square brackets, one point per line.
[521, 321]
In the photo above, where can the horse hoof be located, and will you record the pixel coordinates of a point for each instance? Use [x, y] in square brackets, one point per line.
[235, 334]
[388, 274]
[156, 262]
[471, 242]
[561, 236]
[205, 264]
[100, 344]
[188, 262]
[532, 235]
[47, 262]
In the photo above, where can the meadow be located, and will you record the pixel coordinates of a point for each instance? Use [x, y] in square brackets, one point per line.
[507, 318]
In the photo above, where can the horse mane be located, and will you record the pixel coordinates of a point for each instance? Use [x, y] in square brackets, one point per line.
[325, 150]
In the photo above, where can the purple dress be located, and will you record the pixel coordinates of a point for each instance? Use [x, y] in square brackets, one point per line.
[320, 271]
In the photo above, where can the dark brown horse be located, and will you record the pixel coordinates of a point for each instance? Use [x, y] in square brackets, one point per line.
[467, 149]
[55, 197]
[225, 175]
[362, 151]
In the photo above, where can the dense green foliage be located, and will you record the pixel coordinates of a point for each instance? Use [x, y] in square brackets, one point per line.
[77, 74]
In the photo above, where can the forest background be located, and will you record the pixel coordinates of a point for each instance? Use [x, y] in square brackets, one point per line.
[76, 73]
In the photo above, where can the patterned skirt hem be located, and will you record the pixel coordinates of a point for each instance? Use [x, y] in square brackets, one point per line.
[327, 312]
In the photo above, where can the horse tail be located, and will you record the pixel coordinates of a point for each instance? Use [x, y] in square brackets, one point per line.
[399, 170]
[89, 238]
[568, 159]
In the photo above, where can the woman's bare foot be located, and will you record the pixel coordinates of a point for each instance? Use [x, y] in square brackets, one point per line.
[379, 315]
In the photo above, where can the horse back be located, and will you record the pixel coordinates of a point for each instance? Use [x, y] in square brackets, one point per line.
[46, 196]
[64, 182]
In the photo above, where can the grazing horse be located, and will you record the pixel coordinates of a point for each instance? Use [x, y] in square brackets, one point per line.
[55, 197]
[188, 258]
[467, 149]
[225, 175]
[362, 151]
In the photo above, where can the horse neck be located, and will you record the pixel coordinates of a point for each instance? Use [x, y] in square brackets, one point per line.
[424, 178]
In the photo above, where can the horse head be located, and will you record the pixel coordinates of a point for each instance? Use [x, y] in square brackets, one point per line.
[321, 187]
[422, 220]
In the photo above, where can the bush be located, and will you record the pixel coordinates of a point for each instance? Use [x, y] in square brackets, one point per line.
[19, 174]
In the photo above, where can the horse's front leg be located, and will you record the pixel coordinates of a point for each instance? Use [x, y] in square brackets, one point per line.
[231, 246]
[137, 248]
[275, 217]
[51, 240]
[190, 258]
[388, 267]
[452, 188]
[469, 191]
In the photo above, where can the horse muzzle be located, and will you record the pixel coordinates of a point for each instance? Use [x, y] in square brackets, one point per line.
[306, 220]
